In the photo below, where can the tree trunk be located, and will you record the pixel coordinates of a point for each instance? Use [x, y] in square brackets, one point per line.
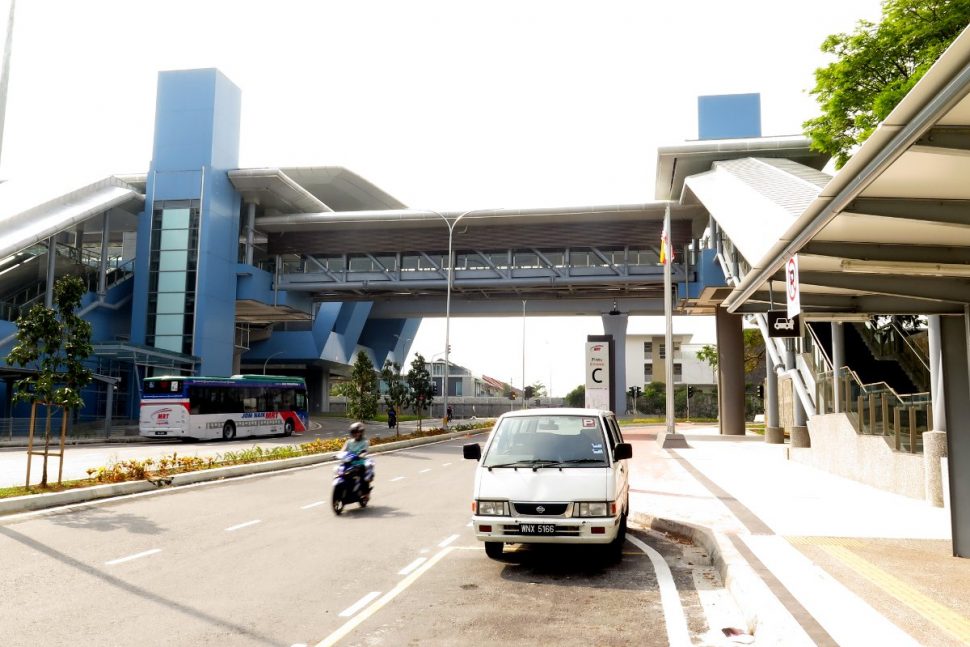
[47, 444]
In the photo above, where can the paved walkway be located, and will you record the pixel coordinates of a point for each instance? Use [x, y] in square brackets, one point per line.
[812, 558]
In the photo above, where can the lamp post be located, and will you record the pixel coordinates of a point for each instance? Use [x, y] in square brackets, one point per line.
[451, 230]
[279, 352]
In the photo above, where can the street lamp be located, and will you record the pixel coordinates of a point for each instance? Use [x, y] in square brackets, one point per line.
[279, 352]
[451, 265]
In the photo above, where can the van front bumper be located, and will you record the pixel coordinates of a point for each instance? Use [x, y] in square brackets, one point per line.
[546, 530]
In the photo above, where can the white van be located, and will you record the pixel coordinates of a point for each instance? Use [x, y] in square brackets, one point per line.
[551, 476]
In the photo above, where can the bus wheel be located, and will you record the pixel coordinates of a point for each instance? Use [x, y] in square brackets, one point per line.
[288, 428]
[228, 430]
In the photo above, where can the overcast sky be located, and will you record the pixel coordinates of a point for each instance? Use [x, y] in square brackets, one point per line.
[443, 104]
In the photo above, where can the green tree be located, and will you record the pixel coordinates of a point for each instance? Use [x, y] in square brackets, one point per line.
[56, 341]
[577, 397]
[363, 392]
[538, 390]
[876, 66]
[754, 351]
[397, 393]
[420, 387]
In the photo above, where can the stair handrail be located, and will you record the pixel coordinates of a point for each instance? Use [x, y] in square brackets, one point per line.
[916, 351]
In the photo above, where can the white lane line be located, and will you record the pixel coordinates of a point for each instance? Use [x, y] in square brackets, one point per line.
[423, 471]
[312, 505]
[447, 541]
[351, 624]
[413, 565]
[674, 617]
[446, 464]
[243, 525]
[359, 604]
[398, 478]
[135, 556]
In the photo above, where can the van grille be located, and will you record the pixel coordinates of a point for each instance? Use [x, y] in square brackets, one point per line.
[541, 509]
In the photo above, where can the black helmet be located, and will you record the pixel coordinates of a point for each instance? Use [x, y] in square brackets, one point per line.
[357, 426]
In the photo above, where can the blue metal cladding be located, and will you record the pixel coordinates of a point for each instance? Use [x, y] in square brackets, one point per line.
[197, 121]
[729, 116]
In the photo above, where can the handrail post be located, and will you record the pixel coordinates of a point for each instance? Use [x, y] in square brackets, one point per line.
[912, 430]
[897, 419]
[885, 415]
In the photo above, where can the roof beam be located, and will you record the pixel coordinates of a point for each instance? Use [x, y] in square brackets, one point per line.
[883, 252]
[952, 290]
[950, 140]
[869, 303]
[952, 212]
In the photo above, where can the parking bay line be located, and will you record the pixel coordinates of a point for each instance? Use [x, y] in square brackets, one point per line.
[359, 604]
[674, 617]
[413, 565]
[352, 624]
[311, 505]
[243, 525]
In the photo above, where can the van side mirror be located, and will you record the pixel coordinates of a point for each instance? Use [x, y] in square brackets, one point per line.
[620, 452]
[472, 451]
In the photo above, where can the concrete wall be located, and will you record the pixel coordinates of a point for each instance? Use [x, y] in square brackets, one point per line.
[837, 448]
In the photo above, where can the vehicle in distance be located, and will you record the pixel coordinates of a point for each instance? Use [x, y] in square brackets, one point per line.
[551, 476]
[201, 408]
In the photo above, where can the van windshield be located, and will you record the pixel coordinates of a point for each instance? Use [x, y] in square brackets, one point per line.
[547, 440]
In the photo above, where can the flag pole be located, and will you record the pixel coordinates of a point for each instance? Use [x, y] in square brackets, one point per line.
[667, 252]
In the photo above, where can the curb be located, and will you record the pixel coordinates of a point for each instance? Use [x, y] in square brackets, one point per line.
[31, 502]
[764, 616]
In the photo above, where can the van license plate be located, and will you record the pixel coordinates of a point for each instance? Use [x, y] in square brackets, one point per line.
[161, 433]
[537, 529]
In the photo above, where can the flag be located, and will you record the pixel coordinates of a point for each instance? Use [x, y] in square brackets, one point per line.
[666, 251]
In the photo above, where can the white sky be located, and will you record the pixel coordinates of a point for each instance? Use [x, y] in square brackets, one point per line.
[443, 104]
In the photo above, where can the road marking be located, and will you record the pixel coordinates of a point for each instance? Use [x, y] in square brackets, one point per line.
[447, 541]
[359, 604]
[243, 525]
[446, 464]
[312, 505]
[674, 617]
[352, 624]
[413, 565]
[940, 615]
[469, 525]
[423, 471]
[135, 556]
[399, 478]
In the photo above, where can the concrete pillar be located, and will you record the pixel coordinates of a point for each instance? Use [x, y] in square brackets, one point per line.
[103, 261]
[937, 390]
[799, 430]
[934, 448]
[934, 440]
[774, 433]
[838, 361]
[730, 368]
[615, 325]
[325, 391]
[250, 231]
[955, 337]
[51, 268]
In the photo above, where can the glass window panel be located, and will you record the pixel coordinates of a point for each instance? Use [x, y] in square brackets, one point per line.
[175, 219]
[175, 239]
[173, 260]
[171, 302]
[169, 324]
[169, 342]
[171, 281]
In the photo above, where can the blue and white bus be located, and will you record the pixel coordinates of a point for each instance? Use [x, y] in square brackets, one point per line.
[202, 408]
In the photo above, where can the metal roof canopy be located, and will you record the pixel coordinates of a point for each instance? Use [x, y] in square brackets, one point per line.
[890, 233]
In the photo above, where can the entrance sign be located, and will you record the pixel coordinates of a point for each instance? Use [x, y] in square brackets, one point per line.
[779, 325]
[598, 375]
[791, 287]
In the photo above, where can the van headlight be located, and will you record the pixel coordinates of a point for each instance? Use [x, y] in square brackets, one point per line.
[593, 509]
[493, 508]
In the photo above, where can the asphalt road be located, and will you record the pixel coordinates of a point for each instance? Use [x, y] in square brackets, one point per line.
[264, 561]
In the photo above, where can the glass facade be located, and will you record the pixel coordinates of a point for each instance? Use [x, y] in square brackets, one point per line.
[174, 258]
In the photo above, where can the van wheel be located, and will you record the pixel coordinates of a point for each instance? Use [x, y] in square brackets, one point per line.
[288, 428]
[616, 546]
[228, 430]
[494, 549]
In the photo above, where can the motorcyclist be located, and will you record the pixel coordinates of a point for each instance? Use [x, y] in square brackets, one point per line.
[358, 445]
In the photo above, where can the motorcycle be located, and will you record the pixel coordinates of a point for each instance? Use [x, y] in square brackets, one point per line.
[352, 480]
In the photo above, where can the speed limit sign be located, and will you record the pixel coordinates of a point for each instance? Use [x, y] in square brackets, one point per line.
[791, 287]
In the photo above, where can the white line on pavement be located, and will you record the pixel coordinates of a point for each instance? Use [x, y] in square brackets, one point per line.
[135, 556]
[447, 541]
[351, 624]
[674, 618]
[398, 478]
[446, 464]
[413, 565]
[243, 525]
[359, 604]
[312, 505]
[423, 471]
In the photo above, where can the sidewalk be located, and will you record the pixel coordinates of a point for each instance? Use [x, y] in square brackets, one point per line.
[811, 558]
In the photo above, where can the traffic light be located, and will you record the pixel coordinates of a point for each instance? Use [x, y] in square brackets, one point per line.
[511, 395]
[632, 391]
[434, 388]
[637, 391]
[690, 391]
[761, 391]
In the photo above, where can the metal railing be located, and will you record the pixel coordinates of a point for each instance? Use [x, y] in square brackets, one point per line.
[876, 409]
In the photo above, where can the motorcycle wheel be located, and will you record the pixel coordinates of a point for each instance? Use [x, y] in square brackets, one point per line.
[337, 501]
[364, 500]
